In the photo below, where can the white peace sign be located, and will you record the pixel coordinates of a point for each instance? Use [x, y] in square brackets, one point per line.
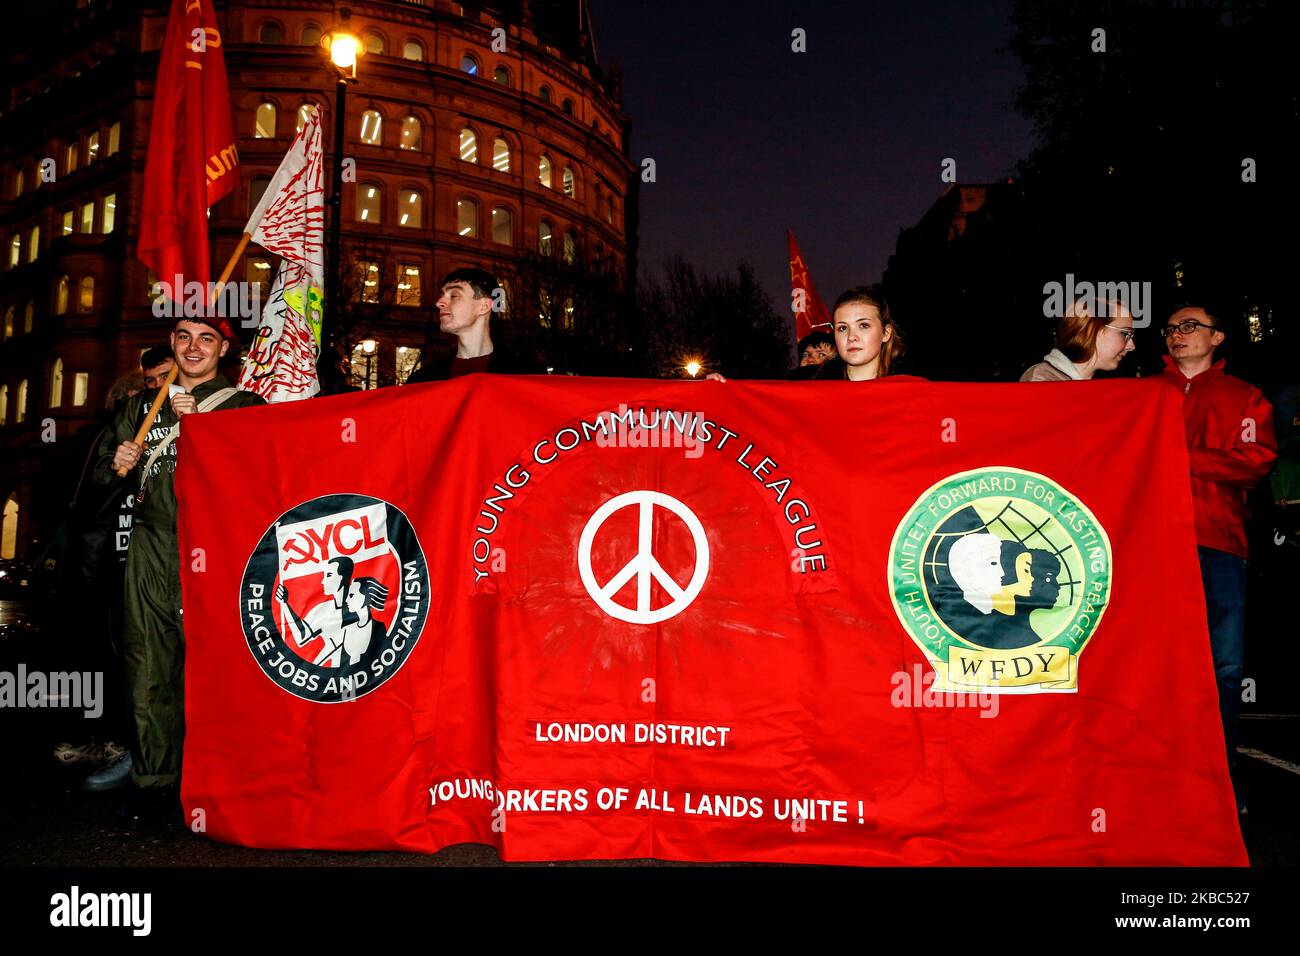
[644, 566]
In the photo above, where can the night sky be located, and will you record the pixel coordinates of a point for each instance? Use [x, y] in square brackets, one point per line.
[843, 143]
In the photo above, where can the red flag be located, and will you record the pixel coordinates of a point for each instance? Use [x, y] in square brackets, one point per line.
[192, 160]
[617, 618]
[809, 309]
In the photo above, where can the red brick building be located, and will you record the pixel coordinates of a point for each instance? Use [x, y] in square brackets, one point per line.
[482, 134]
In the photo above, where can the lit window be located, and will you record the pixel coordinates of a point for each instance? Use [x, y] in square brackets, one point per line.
[468, 146]
[68, 220]
[86, 294]
[9, 323]
[87, 218]
[80, 388]
[502, 227]
[370, 197]
[368, 275]
[70, 158]
[258, 273]
[304, 114]
[56, 383]
[61, 294]
[374, 43]
[92, 147]
[544, 170]
[567, 320]
[501, 75]
[569, 250]
[29, 316]
[19, 183]
[410, 208]
[544, 94]
[467, 217]
[609, 209]
[568, 181]
[20, 406]
[110, 212]
[501, 155]
[15, 250]
[114, 138]
[33, 243]
[270, 33]
[256, 190]
[469, 64]
[410, 138]
[567, 106]
[371, 127]
[310, 35]
[545, 238]
[4, 406]
[408, 284]
[407, 358]
[413, 50]
[365, 364]
[264, 122]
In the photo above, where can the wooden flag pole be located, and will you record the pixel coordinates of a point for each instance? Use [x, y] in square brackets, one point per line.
[175, 370]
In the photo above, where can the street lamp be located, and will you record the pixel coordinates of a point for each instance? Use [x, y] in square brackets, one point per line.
[692, 368]
[368, 349]
[342, 47]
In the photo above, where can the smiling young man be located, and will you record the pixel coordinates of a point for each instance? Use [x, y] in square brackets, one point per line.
[465, 311]
[153, 644]
[1230, 445]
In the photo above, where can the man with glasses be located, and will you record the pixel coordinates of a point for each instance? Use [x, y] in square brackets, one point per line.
[1230, 445]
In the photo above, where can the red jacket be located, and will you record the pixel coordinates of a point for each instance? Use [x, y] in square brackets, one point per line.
[1222, 415]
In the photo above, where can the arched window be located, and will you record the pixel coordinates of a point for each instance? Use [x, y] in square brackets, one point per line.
[56, 383]
[609, 209]
[501, 75]
[4, 404]
[410, 138]
[15, 250]
[410, 208]
[256, 190]
[544, 94]
[469, 64]
[413, 50]
[569, 250]
[310, 35]
[569, 183]
[270, 32]
[370, 200]
[18, 183]
[304, 113]
[567, 106]
[501, 155]
[29, 316]
[467, 218]
[9, 323]
[20, 403]
[34, 243]
[544, 170]
[374, 43]
[9, 525]
[546, 238]
[86, 294]
[502, 226]
[264, 121]
[372, 127]
[468, 145]
[567, 320]
[61, 294]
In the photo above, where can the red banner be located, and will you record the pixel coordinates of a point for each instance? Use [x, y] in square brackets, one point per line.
[192, 160]
[599, 618]
[810, 313]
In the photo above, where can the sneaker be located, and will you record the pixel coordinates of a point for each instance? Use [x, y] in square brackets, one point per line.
[116, 774]
[70, 756]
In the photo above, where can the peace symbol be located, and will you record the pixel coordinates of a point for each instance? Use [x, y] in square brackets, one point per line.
[644, 567]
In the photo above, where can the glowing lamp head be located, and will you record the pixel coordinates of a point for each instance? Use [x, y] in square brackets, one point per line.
[692, 368]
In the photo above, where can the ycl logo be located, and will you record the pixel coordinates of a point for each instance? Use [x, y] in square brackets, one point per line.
[644, 567]
[334, 597]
